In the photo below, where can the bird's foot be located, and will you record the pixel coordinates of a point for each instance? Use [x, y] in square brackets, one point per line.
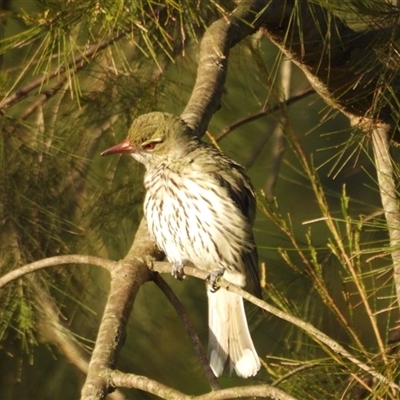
[177, 270]
[213, 277]
[148, 261]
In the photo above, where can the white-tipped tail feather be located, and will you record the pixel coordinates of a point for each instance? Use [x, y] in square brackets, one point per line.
[230, 345]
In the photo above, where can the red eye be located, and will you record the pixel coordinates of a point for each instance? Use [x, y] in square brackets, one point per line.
[149, 146]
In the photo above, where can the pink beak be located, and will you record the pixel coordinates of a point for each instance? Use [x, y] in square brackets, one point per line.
[123, 147]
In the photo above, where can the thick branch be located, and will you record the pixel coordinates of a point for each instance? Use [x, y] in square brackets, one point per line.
[219, 38]
[126, 280]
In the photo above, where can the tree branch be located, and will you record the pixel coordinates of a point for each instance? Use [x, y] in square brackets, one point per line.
[194, 337]
[126, 280]
[55, 261]
[389, 198]
[120, 379]
[125, 283]
[262, 390]
[313, 332]
[219, 38]
[263, 113]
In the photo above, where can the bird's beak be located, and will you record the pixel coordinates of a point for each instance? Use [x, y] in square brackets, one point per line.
[123, 147]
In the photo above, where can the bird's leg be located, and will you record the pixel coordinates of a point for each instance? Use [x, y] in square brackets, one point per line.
[213, 277]
[177, 269]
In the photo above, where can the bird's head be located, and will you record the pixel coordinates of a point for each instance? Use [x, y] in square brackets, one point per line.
[154, 138]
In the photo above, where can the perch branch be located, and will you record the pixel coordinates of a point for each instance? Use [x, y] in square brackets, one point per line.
[123, 274]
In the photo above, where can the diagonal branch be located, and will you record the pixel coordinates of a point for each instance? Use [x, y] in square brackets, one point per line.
[389, 198]
[126, 279]
[344, 66]
[194, 337]
[263, 113]
[111, 332]
[219, 38]
[313, 332]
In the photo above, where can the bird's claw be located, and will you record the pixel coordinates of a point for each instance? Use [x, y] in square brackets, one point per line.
[213, 277]
[148, 261]
[178, 270]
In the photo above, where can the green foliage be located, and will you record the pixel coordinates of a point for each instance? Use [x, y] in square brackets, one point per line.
[74, 74]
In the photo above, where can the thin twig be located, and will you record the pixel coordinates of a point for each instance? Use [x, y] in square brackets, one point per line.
[263, 113]
[264, 391]
[295, 371]
[109, 265]
[201, 354]
[313, 333]
[338, 248]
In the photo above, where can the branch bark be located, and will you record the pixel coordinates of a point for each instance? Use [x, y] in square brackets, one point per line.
[194, 337]
[54, 261]
[219, 38]
[308, 328]
[126, 280]
[120, 379]
[389, 198]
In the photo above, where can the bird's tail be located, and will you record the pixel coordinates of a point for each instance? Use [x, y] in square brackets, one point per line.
[229, 344]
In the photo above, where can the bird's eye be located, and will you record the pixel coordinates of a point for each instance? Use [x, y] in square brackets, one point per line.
[149, 146]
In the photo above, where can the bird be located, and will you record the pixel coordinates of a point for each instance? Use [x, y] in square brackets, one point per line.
[200, 207]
